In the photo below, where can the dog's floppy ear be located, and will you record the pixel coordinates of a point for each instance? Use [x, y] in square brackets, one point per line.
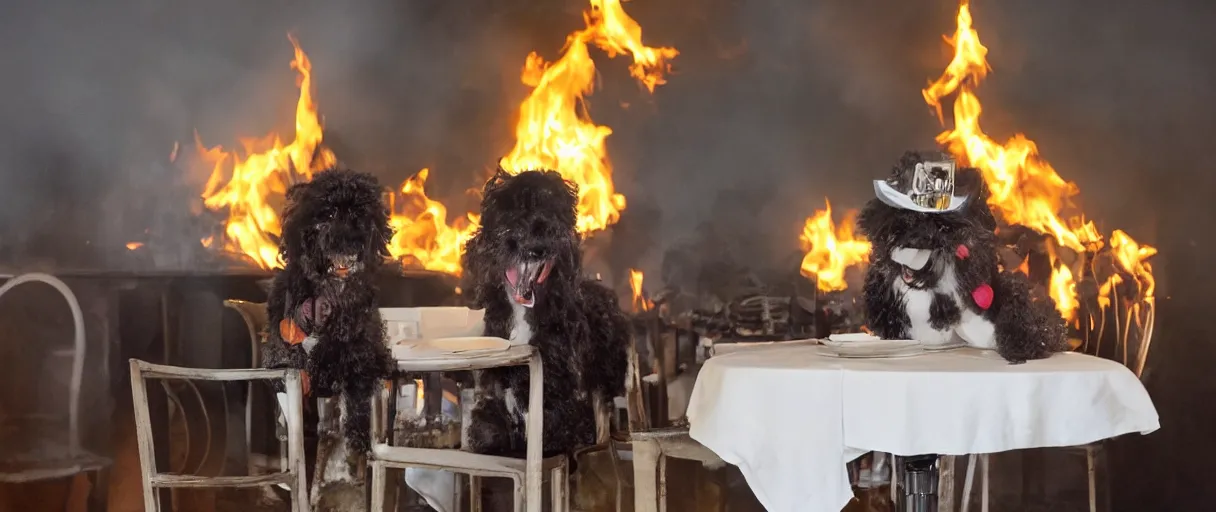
[476, 278]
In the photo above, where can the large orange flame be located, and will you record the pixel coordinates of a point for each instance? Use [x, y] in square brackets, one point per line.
[831, 250]
[423, 237]
[554, 130]
[1026, 190]
[256, 183]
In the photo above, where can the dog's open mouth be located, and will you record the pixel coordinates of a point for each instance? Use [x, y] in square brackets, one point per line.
[524, 278]
[343, 266]
[913, 264]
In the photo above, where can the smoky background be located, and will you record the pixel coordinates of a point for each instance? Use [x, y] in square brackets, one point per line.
[772, 106]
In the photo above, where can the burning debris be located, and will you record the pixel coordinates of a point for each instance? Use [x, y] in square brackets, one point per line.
[710, 292]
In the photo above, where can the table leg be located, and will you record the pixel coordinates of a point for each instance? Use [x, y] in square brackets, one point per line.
[920, 484]
[645, 466]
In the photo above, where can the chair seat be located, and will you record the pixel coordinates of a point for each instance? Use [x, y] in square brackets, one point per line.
[14, 472]
[675, 443]
[460, 461]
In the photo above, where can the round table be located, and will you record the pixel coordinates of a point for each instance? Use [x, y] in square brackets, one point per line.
[791, 417]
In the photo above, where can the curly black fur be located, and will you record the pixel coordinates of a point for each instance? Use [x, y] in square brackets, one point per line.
[1026, 326]
[528, 232]
[335, 237]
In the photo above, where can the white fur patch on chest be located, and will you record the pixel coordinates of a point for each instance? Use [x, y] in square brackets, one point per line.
[521, 334]
[972, 328]
[521, 330]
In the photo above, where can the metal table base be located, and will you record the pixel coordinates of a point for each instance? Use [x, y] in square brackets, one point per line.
[919, 484]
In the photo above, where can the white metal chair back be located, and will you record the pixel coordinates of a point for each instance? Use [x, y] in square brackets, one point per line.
[293, 477]
[78, 350]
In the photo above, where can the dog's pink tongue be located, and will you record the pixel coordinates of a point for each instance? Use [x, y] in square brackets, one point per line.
[513, 276]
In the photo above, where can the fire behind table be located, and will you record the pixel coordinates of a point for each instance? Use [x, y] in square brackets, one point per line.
[173, 318]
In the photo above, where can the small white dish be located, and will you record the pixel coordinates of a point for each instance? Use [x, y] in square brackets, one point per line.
[852, 337]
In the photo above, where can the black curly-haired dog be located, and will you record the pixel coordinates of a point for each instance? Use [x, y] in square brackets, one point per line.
[523, 266]
[322, 309]
[934, 276]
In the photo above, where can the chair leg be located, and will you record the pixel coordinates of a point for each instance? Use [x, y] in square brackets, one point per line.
[474, 493]
[645, 466]
[99, 493]
[559, 489]
[984, 486]
[614, 459]
[518, 494]
[968, 481]
[379, 483]
[143, 436]
[945, 483]
[662, 483]
[1091, 467]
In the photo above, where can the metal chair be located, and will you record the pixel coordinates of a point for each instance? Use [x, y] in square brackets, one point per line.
[652, 447]
[526, 474]
[293, 477]
[64, 457]
[256, 320]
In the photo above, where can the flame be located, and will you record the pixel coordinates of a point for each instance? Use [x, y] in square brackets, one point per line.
[255, 183]
[419, 397]
[831, 250]
[423, 237]
[554, 132]
[131, 246]
[1133, 258]
[554, 129]
[640, 302]
[1025, 188]
[1064, 291]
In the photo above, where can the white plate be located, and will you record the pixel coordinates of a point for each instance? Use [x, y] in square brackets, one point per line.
[874, 344]
[943, 348]
[448, 347]
[872, 348]
[829, 352]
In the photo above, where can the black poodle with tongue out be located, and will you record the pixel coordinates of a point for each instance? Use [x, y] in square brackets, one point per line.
[524, 267]
[933, 274]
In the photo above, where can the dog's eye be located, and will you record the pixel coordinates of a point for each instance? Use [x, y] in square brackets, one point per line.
[536, 254]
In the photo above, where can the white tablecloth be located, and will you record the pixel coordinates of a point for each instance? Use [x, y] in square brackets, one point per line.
[791, 419]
